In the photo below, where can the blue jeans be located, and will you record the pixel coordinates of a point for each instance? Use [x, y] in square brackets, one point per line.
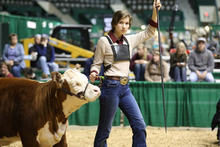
[139, 70]
[46, 66]
[194, 78]
[16, 69]
[114, 95]
[178, 74]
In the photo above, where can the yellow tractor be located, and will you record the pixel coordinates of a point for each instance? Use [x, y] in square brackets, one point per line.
[69, 41]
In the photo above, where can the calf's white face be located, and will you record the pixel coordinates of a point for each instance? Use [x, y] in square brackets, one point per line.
[77, 83]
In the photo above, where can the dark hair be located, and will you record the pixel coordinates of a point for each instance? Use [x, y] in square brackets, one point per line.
[7, 64]
[152, 62]
[28, 71]
[216, 36]
[44, 37]
[12, 35]
[118, 15]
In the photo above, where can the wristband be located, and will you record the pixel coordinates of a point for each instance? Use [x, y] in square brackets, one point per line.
[94, 71]
[96, 74]
[153, 23]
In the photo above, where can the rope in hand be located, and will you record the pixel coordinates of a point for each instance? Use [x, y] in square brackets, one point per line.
[101, 79]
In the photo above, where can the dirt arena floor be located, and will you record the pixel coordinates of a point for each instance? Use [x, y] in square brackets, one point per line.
[122, 137]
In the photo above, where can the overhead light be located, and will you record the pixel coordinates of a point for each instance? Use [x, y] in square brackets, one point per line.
[31, 24]
[143, 27]
[44, 24]
[93, 21]
[207, 28]
[50, 25]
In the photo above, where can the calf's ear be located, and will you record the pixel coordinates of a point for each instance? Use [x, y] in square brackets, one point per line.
[69, 74]
[57, 78]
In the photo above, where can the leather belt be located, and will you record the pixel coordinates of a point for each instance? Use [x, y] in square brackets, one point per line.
[113, 78]
[123, 80]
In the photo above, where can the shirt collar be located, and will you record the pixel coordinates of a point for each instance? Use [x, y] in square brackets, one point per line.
[114, 39]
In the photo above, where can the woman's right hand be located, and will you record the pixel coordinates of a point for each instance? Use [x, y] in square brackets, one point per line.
[44, 43]
[157, 4]
[92, 77]
[178, 64]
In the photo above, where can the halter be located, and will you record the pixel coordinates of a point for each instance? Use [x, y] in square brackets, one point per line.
[80, 95]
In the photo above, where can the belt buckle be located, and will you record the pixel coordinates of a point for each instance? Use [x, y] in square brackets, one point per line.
[124, 80]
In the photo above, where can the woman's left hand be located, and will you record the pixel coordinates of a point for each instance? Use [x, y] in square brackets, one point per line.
[157, 4]
[178, 64]
[11, 62]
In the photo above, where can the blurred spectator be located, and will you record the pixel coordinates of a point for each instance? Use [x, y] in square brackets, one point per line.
[46, 57]
[139, 61]
[29, 73]
[153, 69]
[87, 67]
[5, 70]
[14, 54]
[178, 62]
[201, 63]
[214, 45]
[33, 49]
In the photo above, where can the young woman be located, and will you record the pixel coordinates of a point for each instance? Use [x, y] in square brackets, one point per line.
[5, 70]
[139, 61]
[14, 53]
[114, 50]
[153, 69]
[178, 62]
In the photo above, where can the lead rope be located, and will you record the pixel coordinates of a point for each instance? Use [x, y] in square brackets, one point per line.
[101, 79]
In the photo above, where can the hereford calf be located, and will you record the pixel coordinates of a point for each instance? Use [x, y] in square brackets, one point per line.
[37, 113]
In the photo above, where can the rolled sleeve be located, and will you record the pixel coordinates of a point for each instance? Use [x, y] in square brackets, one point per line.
[150, 31]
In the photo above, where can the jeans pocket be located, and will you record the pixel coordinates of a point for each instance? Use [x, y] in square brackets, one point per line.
[112, 83]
